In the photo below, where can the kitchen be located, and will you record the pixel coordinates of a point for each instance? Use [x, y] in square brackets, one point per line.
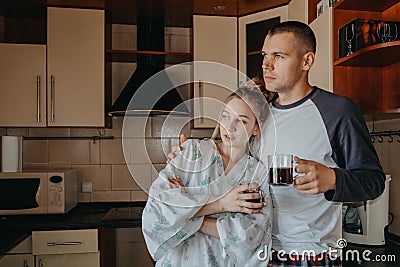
[103, 164]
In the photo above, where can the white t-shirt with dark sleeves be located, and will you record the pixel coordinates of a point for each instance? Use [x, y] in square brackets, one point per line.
[328, 129]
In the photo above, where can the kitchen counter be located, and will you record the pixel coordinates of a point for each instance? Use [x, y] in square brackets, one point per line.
[15, 228]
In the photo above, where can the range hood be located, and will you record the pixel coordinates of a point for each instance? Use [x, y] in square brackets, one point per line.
[144, 96]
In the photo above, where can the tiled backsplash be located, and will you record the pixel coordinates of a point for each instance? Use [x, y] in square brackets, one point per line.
[105, 162]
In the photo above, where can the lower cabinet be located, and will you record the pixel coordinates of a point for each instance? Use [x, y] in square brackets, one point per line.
[131, 248]
[67, 260]
[20, 256]
[17, 260]
[66, 248]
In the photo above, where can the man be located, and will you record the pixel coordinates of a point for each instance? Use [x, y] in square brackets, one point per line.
[335, 159]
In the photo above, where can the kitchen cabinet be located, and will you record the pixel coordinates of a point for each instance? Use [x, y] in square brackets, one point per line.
[131, 248]
[214, 41]
[321, 73]
[71, 93]
[20, 256]
[66, 248]
[369, 75]
[239, 48]
[75, 67]
[23, 85]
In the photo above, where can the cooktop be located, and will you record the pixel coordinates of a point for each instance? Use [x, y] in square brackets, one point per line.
[123, 214]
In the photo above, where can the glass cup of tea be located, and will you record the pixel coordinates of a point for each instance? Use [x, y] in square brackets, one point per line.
[281, 169]
[261, 193]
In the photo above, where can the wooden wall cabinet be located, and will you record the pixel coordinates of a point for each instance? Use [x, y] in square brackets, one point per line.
[369, 75]
[73, 86]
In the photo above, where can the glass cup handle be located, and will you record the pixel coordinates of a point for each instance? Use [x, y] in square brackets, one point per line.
[262, 195]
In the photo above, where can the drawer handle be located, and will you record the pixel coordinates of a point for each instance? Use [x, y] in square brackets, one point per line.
[72, 243]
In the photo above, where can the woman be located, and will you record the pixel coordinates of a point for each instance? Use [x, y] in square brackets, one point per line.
[203, 216]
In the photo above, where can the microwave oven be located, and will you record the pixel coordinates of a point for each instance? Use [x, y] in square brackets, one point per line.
[38, 192]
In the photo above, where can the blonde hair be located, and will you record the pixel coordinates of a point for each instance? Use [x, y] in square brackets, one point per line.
[250, 93]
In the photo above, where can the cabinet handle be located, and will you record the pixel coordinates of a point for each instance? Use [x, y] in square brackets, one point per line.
[71, 243]
[26, 263]
[40, 263]
[38, 97]
[52, 95]
[201, 108]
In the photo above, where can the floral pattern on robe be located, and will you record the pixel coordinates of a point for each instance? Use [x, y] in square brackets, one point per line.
[171, 230]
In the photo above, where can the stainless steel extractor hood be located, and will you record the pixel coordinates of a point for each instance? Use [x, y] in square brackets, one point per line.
[144, 96]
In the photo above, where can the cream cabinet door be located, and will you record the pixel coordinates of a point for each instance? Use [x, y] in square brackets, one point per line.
[22, 85]
[321, 73]
[69, 260]
[215, 68]
[75, 67]
[17, 260]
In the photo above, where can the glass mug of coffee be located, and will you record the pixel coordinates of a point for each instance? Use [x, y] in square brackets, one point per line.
[281, 169]
[255, 200]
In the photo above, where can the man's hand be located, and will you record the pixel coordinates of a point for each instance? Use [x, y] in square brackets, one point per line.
[171, 155]
[317, 177]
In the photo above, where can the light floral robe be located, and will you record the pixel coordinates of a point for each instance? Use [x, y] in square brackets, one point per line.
[171, 230]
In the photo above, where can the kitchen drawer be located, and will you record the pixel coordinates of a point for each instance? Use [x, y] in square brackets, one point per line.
[64, 242]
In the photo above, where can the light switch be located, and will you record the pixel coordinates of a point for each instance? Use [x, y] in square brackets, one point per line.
[86, 187]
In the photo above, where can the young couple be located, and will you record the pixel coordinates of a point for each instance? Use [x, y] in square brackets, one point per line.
[198, 213]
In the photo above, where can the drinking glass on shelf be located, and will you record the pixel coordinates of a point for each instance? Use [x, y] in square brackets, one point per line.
[391, 33]
[349, 33]
[381, 31]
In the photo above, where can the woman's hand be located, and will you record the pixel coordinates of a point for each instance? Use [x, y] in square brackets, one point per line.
[238, 200]
[171, 155]
[177, 183]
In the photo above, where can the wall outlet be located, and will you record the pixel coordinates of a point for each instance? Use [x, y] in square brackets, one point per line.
[86, 187]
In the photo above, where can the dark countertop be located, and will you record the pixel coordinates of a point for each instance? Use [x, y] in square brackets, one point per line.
[15, 228]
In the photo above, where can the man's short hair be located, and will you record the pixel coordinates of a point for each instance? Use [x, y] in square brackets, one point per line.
[303, 34]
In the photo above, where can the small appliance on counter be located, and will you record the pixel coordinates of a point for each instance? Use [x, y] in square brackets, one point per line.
[364, 222]
[52, 191]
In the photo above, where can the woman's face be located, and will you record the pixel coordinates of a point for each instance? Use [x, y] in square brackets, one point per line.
[237, 123]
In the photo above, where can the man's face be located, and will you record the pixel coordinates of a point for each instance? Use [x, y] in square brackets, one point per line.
[282, 62]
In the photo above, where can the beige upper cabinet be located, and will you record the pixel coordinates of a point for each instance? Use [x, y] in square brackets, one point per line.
[22, 85]
[321, 73]
[75, 67]
[71, 93]
[215, 75]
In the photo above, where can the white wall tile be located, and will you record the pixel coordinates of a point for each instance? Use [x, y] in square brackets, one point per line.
[138, 127]
[35, 151]
[111, 196]
[112, 151]
[99, 175]
[69, 151]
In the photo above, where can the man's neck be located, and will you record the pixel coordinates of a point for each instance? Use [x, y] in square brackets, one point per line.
[292, 96]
